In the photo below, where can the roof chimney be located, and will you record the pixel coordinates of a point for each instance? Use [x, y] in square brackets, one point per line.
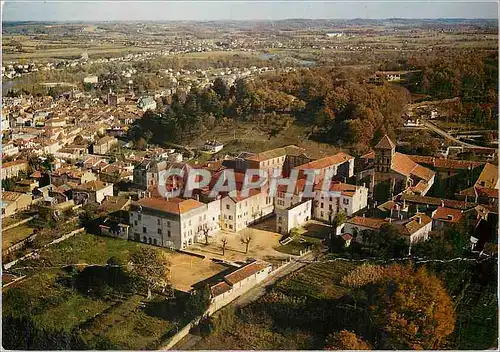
[442, 203]
[449, 217]
[418, 219]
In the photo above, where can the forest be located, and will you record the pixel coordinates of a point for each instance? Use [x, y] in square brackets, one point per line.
[339, 104]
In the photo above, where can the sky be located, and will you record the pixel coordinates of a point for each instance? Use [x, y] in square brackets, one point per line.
[155, 10]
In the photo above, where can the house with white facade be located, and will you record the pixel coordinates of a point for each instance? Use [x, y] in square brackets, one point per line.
[213, 146]
[238, 210]
[173, 223]
[146, 103]
[345, 198]
[291, 207]
[92, 192]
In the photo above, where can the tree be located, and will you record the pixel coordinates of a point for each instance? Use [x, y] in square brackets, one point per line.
[49, 161]
[346, 340]
[140, 144]
[206, 231]
[338, 220]
[220, 88]
[223, 245]
[246, 239]
[410, 306]
[8, 184]
[198, 302]
[151, 266]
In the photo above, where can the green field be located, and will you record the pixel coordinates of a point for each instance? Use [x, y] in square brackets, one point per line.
[52, 304]
[318, 280]
[15, 234]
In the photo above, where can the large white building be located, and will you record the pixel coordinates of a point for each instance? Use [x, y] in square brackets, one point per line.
[173, 223]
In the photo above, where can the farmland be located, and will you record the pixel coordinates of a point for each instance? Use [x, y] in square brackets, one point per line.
[282, 318]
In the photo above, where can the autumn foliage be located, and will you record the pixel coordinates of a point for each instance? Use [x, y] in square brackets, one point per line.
[346, 340]
[410, 306]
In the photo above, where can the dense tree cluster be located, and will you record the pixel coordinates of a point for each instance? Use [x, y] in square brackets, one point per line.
[411, 307]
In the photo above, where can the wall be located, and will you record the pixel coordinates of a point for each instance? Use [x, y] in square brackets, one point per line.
[17, 223]
[287, 219]
[60, 239]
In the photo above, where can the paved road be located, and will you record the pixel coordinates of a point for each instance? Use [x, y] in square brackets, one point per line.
[446, 135]
[250, 296]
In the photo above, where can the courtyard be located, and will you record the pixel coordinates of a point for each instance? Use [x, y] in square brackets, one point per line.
[264, 243]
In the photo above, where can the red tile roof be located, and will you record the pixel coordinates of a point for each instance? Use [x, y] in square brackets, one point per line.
[245, 272]
[325, 162]
[448, 215]
[219, 288]
[14, 163]
[449, 203]
[445, 163]
[373, 223]
[173, 205]
[385, 143]
[403, 165]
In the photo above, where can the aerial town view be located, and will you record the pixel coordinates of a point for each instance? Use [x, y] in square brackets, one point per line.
[249, 176]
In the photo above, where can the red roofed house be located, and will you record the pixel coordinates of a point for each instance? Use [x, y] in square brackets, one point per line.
[340, 164]
[486, 187]
[225, 287]
[414, 229]
[443, 218]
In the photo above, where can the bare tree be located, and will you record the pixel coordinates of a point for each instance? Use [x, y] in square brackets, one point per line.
[223, 245]
[246, 239]
[205, 230]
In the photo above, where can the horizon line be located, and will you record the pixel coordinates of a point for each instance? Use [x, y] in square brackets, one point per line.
[265, 19]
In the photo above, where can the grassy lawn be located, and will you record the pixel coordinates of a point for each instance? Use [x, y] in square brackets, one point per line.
[51, 305]
[15, 234]
[54, 305]
[302, 240]
[85, 248]
[128, 326]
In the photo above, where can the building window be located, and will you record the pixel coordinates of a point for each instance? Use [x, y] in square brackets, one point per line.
[231, 227]
[330, 207]
[169, 234]
[144, 239]
[158, 222]
[135, 222]
[230, 217]
[322, 214]
[321, 205]
[155, 242]
[159, 231]
[168, 223]
[139, 217]
[149, 240]
[227, 206]
[144, 230]
[345, 201]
